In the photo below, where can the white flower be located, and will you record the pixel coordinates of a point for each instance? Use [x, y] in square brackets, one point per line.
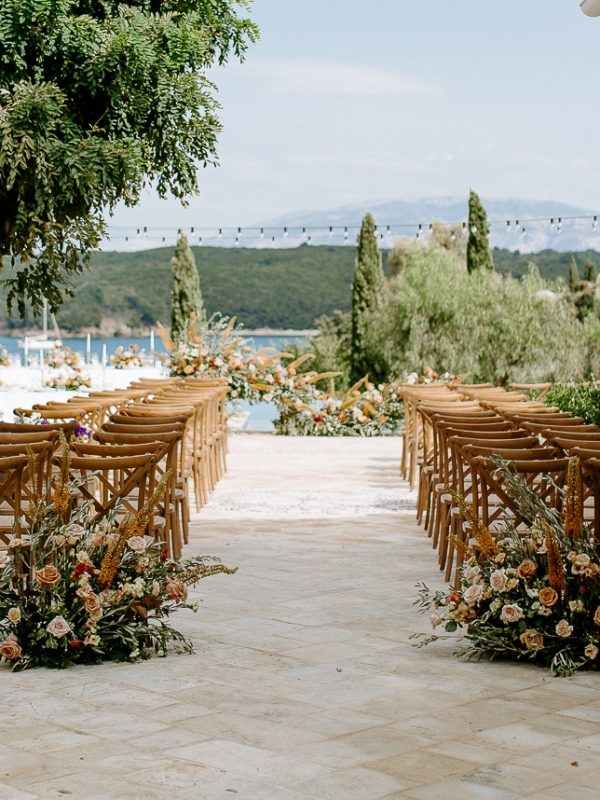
[544, 611]
[92, 640]
[155, 587]
[576, 606]
[563, 628]
[136, 543]
[134, 653]
[498, 580]
[83, 557]
[511, 613]
[58, 627]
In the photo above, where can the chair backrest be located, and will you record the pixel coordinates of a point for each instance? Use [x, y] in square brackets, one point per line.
[125, 481]
[12, 469]
[544, 477]
[68, 428]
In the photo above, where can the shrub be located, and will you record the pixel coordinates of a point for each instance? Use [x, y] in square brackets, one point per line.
[489, 327]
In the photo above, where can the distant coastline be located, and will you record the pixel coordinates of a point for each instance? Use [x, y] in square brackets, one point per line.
[145, 332]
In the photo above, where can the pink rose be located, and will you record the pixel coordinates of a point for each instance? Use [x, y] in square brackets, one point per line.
[58, 627]
[473, 594]
[136, 543]
[511, 613]
[498, 580]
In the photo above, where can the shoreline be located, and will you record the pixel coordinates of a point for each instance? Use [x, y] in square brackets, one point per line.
[146, 333]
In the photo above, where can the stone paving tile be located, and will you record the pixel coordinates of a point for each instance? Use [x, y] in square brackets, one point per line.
[304, 683]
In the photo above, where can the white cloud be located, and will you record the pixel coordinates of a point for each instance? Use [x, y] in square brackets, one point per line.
[307, 76]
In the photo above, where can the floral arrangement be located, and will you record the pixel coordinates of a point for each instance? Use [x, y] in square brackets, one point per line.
[428, 375]
[60, 357]
[5, 360]
[368, 411]
[128, 357]
[533, 596]
[73, 592]
[220, 350]
[70, 380]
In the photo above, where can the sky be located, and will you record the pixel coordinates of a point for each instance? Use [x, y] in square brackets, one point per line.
[348, 102]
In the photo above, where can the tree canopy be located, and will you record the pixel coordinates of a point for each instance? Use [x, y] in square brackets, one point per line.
[99, 98]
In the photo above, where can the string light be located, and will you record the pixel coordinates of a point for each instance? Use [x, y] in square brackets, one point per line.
[343, 231]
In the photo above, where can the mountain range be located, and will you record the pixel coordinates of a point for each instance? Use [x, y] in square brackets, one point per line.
[533, 233]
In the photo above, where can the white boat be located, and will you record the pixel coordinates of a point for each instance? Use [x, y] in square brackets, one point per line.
[41, 341]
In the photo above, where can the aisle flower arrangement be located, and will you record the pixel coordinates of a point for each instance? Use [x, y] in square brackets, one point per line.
[220, 350]
[5, 360]
[70, 380]
[72, 592]
[128, 357]
[533, 597]
[61, 357]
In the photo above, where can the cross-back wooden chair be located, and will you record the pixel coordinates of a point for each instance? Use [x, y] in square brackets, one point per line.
[12, 469]
[119, 483]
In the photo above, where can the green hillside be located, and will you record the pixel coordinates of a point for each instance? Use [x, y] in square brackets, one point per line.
[264, 288]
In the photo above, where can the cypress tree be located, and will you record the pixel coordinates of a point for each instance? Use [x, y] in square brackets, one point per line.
[367, 291]
[591, 272]
[479, 255]
[573, 275]
[186, 298]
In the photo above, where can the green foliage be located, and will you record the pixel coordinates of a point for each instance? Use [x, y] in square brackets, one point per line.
[479, 255]
[367, 290]
[186, 298]
[573, 274]
[580, 399]
[490, 328]
[99, 98]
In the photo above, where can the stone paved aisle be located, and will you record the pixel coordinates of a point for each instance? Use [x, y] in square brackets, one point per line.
[304, 684]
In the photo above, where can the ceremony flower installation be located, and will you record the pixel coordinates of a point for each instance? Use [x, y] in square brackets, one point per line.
[5, 360]
[533, 596]
[72, 592]
[220, 350]
[66, 367]
[128, 357]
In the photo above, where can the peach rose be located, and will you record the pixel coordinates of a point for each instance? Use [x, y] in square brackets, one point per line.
[591, 651]
[58, 627]
[527, 569]
[511, 613]
[10, 648]
[597, 616]
[563, 628]
[177, 590]
[93, 606]
[48, 576]
[548, 596]
[14, 615]
[532, 639]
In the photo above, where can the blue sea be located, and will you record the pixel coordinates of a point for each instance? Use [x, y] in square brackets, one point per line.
[261, 416]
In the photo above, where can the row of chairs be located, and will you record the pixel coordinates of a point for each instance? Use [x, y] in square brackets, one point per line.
[138, 435]
[462, 430]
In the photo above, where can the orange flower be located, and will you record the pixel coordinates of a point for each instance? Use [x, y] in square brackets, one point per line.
[573, 507]
[48, 576]
[527, 569]
[531, 639]
[548, 596]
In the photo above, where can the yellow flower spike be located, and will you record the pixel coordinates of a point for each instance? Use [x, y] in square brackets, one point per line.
[573, 506]
[556, 567]
[300, 360]
[321, 376]
[230, 326]
[165, 338]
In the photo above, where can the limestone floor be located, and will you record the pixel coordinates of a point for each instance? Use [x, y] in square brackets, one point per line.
[304, 683]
